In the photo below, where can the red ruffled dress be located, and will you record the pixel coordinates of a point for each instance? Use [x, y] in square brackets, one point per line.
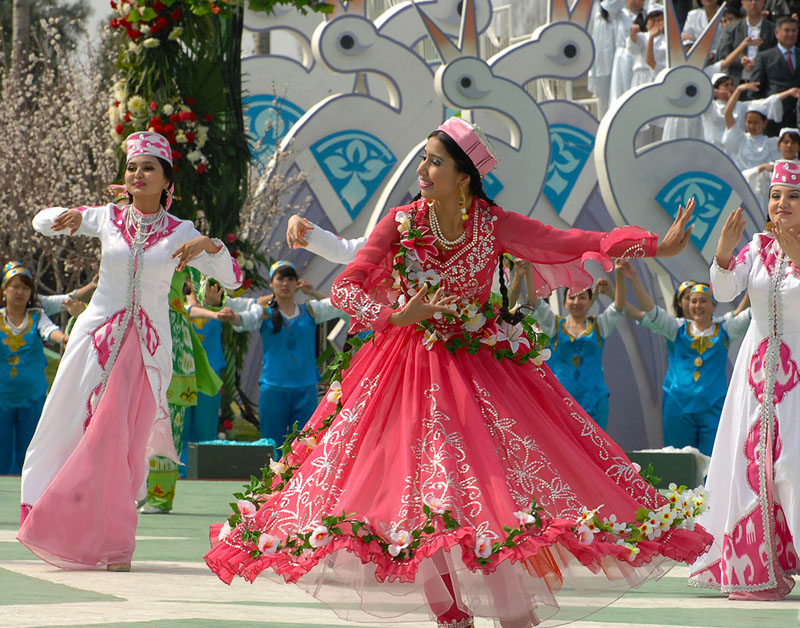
[449, 468]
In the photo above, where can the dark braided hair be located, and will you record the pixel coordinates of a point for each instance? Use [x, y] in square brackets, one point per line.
[505, 314]
[275, 314]
[169, 174]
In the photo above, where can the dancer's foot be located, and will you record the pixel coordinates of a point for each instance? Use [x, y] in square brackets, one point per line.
[118, 567]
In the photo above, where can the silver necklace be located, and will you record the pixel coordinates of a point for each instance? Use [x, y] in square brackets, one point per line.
[143, 225]
[437, 231]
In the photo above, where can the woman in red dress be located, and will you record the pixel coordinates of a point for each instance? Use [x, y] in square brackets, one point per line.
[447, 473]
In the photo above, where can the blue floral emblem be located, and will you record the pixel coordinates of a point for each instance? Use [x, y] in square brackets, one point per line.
[570, 148]
[262, 110]
[711, 194]
[492, 185]
[355, 164]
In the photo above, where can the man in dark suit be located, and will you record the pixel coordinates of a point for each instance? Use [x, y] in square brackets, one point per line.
[777, 70]
[754, 25]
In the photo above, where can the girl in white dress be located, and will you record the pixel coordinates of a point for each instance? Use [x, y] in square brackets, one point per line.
[754, 511]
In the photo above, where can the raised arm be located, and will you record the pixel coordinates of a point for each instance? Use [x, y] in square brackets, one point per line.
[315, 239]
[84, 220]
[558, 256]
[209, 256]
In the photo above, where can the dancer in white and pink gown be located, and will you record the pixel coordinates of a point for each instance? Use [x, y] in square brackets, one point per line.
[88, 456]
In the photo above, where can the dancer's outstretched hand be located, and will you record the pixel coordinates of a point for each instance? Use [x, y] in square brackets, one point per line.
[70, 219]
[418, 309]
[296, 231]
[729, 238]
[677, 236]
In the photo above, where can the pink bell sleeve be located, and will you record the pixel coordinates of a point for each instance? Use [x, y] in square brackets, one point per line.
[363, 290]
[558, 256]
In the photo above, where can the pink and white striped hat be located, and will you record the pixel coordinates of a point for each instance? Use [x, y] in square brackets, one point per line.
[786, 173]
[149, 143]
[473, 142]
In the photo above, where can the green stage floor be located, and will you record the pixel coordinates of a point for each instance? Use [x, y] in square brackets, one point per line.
[171, 587]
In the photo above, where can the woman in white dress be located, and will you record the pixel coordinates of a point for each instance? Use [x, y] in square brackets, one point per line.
[88, 456]
[754, 511]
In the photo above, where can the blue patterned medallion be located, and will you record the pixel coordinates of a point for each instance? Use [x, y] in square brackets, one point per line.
[711, 194]
[355, 164]
[570, 148]
[267, 118]
[492, 185]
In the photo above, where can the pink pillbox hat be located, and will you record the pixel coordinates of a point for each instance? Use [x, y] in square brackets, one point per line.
[786, 173]
[149, 143]
[472, 141]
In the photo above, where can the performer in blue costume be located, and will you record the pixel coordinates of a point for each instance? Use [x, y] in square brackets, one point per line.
[696, 382]
[577, 342]
[23, 385]
[289, 372]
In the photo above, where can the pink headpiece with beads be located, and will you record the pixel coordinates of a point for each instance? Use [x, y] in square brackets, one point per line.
[473, 142]
[149, 143]
[786, 173]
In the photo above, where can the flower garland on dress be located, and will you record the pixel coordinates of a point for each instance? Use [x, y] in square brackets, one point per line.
[680, 511]
[480, 322]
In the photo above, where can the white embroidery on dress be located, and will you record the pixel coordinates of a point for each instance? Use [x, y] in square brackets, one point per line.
[441, 470]
[530, 473]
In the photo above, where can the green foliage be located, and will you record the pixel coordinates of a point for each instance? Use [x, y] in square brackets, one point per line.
[304, 6]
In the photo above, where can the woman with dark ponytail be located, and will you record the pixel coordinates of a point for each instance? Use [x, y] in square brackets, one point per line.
[447, 468]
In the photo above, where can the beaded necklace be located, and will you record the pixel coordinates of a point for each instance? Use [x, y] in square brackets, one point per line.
[144, 225]
[437, 230]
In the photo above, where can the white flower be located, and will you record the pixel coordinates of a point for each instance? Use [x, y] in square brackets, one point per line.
[525, 518]
[474, 323]
[429, 339]
[401, 539]
[335, 392]
[194, 156]
[544, 355]
[168, 110]
[145, 29]
[202, 135]
[587, 515]
[268, 544]
[277, 467]
[308, 441]
[515, 335]
[665, 517]
[637, 467]
[224, 531]
[435, 504]
[483, 546]
[585, 534]
[151, 42]
[320, 537]
[616, 526]
[137, 106]
[249, 265]
[489, 338]
[175, 33]
[119, 92]
[431, 277]
[403, 221]
[113, 115]
[246, 508]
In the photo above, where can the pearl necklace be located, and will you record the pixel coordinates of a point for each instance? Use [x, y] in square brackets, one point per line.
[144, 225]
[437, 230]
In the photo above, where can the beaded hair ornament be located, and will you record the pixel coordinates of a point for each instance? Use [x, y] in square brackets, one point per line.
[786, 173]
